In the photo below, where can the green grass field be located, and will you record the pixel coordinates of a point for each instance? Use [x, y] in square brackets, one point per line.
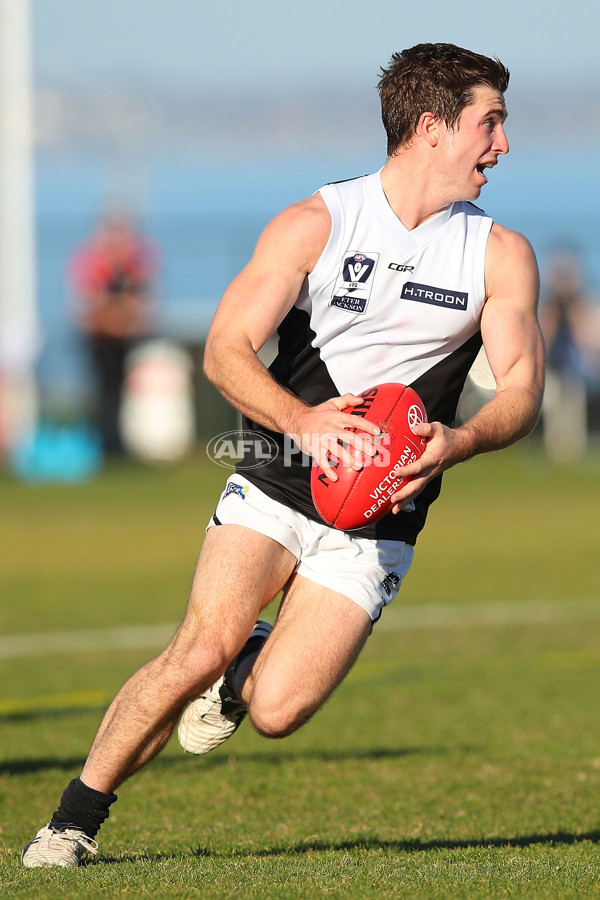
[460, 758]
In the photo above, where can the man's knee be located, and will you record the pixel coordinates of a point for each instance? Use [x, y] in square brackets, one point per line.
[277, 716]
[189, 667]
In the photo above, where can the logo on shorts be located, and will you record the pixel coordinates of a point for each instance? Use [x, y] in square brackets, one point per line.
[354, 282]
[391, 581]
[242, 449]
[233, 488]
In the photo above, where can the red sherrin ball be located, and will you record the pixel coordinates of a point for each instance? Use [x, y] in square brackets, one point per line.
[360, 498]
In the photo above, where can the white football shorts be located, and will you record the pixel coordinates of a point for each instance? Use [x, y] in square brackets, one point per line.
[367, 571]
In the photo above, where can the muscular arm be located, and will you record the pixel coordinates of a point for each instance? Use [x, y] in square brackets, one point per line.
[514, 346]
[515, 351]
[251, 309]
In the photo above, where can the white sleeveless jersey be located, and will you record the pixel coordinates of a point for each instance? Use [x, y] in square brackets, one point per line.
[382, 304]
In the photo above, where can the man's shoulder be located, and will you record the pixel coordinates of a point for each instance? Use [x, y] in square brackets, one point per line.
[297, 235]
[304, 216]
[308, 222]
[308, 210]
[510, 259]
[507, 242]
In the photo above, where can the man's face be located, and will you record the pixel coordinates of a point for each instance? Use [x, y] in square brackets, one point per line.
[475, 144]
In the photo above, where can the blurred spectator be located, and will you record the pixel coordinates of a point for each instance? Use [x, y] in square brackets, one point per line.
[570, 321]
[112, 277]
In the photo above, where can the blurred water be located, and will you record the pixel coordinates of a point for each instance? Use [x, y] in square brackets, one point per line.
[206, 214]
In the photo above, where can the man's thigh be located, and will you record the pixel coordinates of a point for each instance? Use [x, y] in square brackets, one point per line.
[239, 571]
[317, 637]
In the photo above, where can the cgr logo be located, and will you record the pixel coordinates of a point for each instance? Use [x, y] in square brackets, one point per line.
[400, 267]
[242, 449]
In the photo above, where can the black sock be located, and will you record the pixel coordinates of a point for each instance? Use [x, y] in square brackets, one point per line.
[82, 807]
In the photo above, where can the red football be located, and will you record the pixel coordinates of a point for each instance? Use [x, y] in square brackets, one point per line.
[359, 498]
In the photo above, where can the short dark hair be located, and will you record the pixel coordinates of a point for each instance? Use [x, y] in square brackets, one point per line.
[436, 78]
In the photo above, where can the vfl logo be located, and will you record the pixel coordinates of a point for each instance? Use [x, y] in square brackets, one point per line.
[357, 268]
[435, 296]
[353, 285]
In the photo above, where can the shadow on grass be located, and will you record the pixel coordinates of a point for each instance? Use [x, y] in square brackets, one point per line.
[300, 848]
[25, 715]
[28, 766]
[413, 846]
[556, 838]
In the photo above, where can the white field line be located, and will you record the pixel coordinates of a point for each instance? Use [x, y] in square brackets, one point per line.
[495, 613]
[63, 643]
[135, 637]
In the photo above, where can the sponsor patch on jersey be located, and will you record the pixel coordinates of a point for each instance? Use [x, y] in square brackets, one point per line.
[355, 281]
[435, 296]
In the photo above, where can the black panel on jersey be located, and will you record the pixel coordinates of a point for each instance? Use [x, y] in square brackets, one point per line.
[298, 365]
[440, 389]
[301, 370]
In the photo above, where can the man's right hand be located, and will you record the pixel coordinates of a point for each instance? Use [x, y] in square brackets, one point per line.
[328, 435]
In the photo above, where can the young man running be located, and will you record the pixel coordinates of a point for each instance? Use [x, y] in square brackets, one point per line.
[395, 276]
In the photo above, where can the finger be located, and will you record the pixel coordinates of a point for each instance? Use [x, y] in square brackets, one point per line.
[347, 420]
[401, 504]
[407, 494]
[423, 429]
[344, 451]
[327, 464]
[360, 446]
[347, 400]
[365, 446]
[410, 471]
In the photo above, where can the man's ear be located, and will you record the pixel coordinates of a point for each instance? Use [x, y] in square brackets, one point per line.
[429, 128]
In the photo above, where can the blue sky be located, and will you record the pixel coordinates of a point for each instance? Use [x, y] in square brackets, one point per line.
[315, 49]
[227, 45]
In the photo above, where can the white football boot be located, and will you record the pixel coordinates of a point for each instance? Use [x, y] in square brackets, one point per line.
[210, 719]
[56, 847]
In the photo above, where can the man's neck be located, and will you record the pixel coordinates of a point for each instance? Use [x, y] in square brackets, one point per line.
[411, 191]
